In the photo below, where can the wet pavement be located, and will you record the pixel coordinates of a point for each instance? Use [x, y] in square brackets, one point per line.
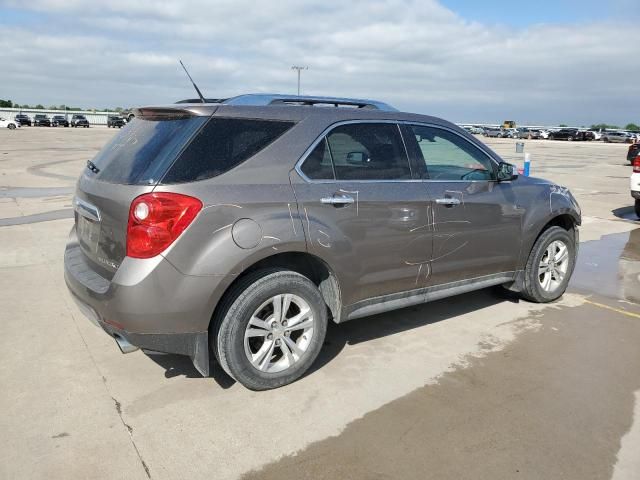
[499, 418]
[610, 267]
[480, 386]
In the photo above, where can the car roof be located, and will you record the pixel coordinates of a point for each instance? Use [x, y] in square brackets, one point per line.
[296, 113]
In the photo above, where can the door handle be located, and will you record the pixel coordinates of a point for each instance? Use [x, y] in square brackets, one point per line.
[448, 201]
[337, 200]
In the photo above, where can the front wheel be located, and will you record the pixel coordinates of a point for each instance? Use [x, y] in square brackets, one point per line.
[550, 265]
[11, 126]
[269, 329]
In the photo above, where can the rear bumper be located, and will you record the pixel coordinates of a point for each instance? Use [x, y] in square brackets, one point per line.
[148, 303]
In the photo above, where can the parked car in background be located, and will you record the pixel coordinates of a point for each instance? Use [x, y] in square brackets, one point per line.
[633, 152]
[493, 132]
[534, 134]
[476, 130]
[240, 230]
[597, 133]
[59, 121]
[635, 136]
[79, 121]
[23, 119]
[509, 133]
[616, 137]
[529, 133]
[129, 115]
[568, 134]
[635, 183]
[544, 133]
[115, 121]
[41, 120]
[587, 135]
[10, 124]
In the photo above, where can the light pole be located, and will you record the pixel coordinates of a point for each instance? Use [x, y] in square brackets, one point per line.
[299, 69]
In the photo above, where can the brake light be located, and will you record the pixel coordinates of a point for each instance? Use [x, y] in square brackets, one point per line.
[636, 164]
[156, 220]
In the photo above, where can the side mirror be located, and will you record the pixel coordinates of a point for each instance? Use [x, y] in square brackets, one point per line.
[507, 172]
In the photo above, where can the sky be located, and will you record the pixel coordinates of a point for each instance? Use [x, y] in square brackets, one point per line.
[540, 62]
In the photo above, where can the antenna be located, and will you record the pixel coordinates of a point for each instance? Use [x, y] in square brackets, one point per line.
[194, 83]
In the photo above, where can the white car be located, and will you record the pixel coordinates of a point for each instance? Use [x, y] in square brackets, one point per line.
[597, 134]
[10, 124]
[635, 183]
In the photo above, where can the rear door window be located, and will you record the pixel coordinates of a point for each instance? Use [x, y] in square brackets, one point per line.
[222, 144]
[368, 151]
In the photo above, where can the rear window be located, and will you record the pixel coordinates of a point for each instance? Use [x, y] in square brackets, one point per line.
[222, 144]
[144, 149]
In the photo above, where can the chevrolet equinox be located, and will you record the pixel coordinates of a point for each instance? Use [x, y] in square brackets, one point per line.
[240, 228]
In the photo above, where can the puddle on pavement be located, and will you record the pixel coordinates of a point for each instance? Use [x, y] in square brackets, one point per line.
[34, 192]
[37, 217]
[610, 266]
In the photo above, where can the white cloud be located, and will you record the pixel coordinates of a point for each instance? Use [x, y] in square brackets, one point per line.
[416, 55]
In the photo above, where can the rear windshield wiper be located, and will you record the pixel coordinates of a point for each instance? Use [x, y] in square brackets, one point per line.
[92, 166]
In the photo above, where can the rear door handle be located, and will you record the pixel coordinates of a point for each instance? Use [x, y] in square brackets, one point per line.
[337, 200]
[448, 201]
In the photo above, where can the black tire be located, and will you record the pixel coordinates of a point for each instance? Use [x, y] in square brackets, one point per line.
[231, 320]
[551, 137]
[11, 126]
[637, 208]
[569, 138]
[532, 290]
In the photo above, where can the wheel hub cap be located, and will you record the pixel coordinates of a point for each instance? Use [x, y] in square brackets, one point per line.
[553, 266]
[279, 333]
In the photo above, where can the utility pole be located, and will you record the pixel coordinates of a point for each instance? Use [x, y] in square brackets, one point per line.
[299, 69]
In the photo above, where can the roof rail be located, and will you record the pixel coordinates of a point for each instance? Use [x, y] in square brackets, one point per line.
[263, 99]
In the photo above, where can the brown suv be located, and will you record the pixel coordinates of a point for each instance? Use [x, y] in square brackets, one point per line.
[239, 229]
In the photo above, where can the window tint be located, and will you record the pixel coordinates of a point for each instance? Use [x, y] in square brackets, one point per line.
[142, 152]
[368, 151]
[447, 156]
[317, 165]
[222, 144]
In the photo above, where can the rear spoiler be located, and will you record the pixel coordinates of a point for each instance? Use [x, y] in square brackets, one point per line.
[172, 112]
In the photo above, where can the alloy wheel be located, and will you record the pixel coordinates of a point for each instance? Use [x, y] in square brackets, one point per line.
[553, 266]
[279, 333]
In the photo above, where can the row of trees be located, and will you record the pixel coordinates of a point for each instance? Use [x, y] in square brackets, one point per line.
[630, 126]
[10, 104]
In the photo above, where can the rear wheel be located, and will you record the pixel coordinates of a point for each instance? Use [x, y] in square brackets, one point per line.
[11, 126]
[637, 207]
[270, 329]
[550, 265]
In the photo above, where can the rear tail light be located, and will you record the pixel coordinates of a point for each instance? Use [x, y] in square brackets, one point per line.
[156, 220]
[636, 164]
